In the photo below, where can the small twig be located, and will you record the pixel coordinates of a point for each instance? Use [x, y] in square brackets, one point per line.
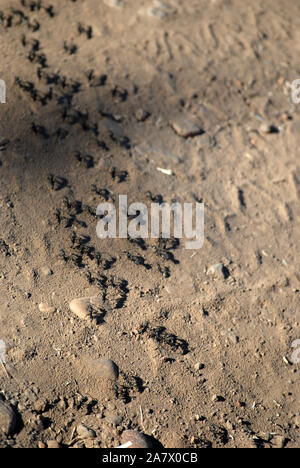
[72, 436]
[5, 370]
[142, 419]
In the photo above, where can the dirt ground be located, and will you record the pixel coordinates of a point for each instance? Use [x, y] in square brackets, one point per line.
[93, 90]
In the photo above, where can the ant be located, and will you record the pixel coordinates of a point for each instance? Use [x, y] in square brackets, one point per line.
[102, 145]
[57, 183]
[138, 260]
[50, 11]
[86, 160]
[39, 130]
[94, 80]
[6, 20]
[62, 133]
[121, 176]
[88, 31]
[33, 5]
[155, 198]
[70, 48]
[40, 59]
[34, 26]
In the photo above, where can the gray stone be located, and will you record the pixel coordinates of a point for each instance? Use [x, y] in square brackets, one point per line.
[85, 432]
[7, 418]
[141, 115]
[82, 308]
[104, 368]
[138, 440]
[186, 127]
[218, 270]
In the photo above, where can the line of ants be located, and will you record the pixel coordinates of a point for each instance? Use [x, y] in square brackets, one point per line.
[17, 17]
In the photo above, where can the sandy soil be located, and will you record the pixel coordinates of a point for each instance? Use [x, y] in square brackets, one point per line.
[204, 360]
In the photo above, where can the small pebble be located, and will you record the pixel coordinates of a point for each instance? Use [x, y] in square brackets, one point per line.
[268, 128]
[138, 440]
[185, 127]
[115, 3]
[7, 418]
[41, 445]
[85, 432]
[199, 366]
[52, 444]
[46, 271]
[40, 406]
[218, 270]
[104, 368]
[217, 398]
[82, 308]
[141, 115]
[116, 420]
[46, 308]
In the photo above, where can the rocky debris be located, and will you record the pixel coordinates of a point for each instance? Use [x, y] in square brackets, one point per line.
[85, 432]
[185, 127]
[82, 308]
[218, 270]
[217, 399]
[86, 308]
[114, 419]
[112, 127]
[41, 406]
[46, 271]
[8, 418]
[141, 115]
[36, 423]
[137, 439]
[42, 445]
[52, 444]
[199, 366]
[114, 3]
[159, 10]
[268, 128]
[46, 308]
[104, 368]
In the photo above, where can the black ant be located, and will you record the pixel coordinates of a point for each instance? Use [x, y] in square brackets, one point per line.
[32, 5]
[85, 160]
[6, 20]
[88, 31]
[121, 176]
[61, 133]
[34, 26]
[39, 130]
[102, 145]
[79, 240]
[94, 80]
[40, 59]
[70, 48]
[50, 11]
[138, 260]
[155, 198]
[75, 206]
[120, 93]
[165, 271]
[57, 183]
[139, 242]
[102, 193]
